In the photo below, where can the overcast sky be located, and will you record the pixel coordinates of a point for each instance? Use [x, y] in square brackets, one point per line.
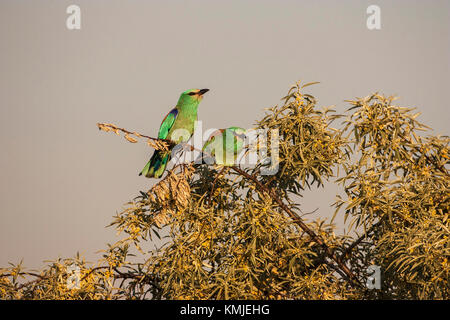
[61, 180]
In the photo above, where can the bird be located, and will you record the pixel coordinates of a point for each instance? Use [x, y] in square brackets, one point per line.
[178, 126]
[224, 145]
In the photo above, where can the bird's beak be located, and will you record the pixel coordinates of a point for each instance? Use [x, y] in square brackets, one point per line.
[202, 92]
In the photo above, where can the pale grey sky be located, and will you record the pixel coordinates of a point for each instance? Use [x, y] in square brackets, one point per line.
[61, 180]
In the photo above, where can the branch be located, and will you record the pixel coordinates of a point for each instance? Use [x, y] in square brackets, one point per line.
[38, 277]
[301, 224]
[119, 275]
[359, 240]
[156, 143]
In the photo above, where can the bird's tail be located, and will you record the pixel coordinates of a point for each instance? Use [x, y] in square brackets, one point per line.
[156, 166]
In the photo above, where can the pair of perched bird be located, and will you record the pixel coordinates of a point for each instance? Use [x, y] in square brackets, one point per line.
[179, 125]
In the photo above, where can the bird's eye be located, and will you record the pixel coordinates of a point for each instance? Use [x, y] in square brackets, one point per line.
[192, 93]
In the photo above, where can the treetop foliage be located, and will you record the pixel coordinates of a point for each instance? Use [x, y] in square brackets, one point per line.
[232, 233]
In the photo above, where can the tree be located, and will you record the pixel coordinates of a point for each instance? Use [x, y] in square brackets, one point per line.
[233, 233]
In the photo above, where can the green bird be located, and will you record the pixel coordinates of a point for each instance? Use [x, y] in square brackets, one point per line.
[224, 145]
[178, 126]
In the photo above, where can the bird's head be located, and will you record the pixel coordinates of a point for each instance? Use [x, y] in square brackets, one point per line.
[238, 132]
[192, 96]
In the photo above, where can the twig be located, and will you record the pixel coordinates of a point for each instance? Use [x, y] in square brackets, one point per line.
[359, 240]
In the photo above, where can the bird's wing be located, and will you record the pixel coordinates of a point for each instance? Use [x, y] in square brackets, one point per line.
[207, 144]
[239, 138]
[167, 123]
[211, 140]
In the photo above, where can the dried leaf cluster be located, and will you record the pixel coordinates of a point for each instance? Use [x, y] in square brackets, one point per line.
[155, 143]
